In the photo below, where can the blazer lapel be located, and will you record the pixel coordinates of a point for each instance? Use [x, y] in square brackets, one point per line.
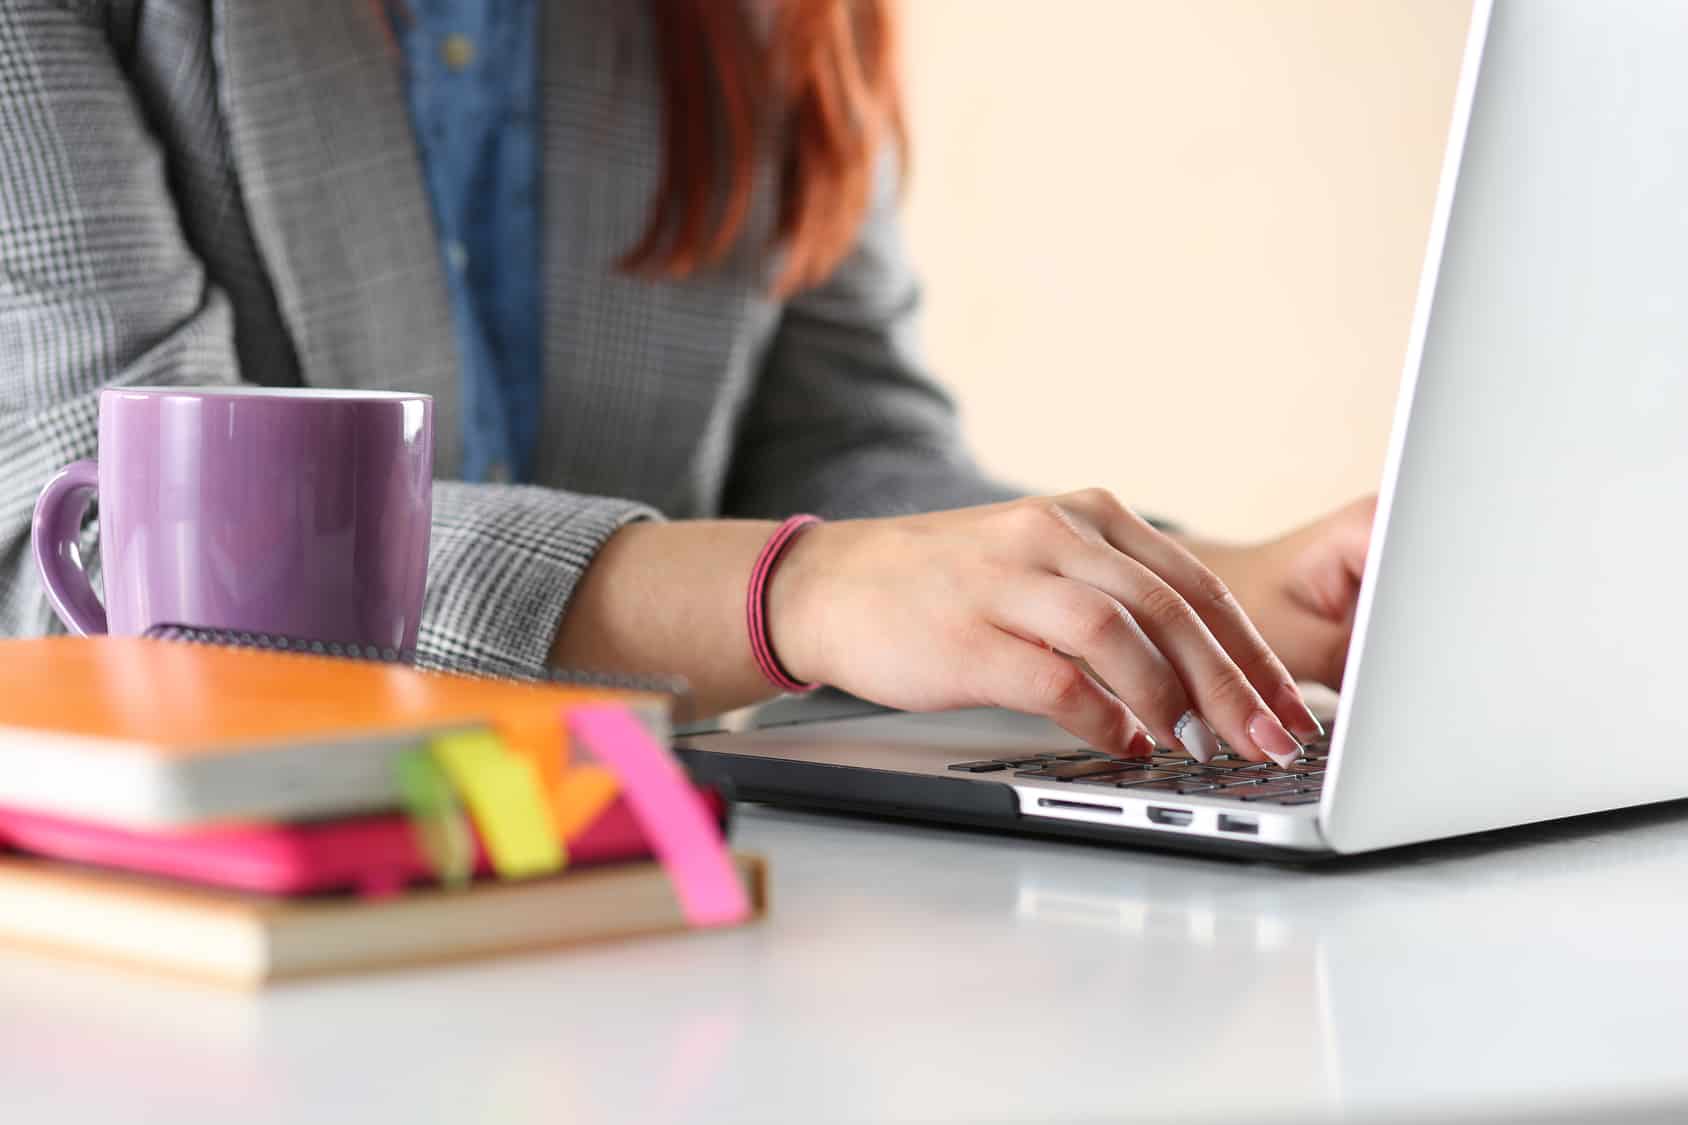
[314, 97]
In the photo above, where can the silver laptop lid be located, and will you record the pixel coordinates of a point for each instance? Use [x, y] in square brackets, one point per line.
[1519, 653]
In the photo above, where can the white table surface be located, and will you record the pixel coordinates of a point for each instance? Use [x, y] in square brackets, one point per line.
[921, 974]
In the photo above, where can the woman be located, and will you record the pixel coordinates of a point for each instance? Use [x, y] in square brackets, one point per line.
[645, 256]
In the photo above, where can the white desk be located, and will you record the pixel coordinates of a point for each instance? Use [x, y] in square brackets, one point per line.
[913, 974]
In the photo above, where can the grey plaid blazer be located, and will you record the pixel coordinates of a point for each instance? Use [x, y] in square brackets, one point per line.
[202, 191]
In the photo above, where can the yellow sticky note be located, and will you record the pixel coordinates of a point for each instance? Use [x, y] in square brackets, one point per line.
[544, 745]
[506, 801]
[581, 796]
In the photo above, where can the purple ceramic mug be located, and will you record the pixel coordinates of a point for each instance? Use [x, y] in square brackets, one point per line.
[274, 510]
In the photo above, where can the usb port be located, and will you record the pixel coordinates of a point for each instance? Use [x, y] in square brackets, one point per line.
[1179, 818]
[1247, 825]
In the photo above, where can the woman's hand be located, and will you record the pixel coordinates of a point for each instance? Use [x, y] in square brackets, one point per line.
[1301, 590]
[1070, 607]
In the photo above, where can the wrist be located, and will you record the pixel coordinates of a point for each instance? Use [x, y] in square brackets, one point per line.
[1247, 569]
[1226, 560]
[796, 602]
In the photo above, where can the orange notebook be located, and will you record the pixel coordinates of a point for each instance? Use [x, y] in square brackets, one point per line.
[154, 733]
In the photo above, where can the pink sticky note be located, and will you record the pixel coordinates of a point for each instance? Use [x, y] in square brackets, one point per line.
[681, 831]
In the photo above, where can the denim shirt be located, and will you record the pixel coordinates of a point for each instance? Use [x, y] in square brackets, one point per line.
[472, 76]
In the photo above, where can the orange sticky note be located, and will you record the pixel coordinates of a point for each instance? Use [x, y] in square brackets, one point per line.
[543, 741]
[581, 796]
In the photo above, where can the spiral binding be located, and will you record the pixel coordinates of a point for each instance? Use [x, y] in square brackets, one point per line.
[494, 670]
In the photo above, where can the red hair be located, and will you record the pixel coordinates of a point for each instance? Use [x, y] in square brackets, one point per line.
[817, 80]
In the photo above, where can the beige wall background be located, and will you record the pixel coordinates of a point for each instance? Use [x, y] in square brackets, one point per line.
[1172, 248]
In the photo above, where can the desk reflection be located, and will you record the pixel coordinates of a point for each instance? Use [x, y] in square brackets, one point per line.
[911, 973]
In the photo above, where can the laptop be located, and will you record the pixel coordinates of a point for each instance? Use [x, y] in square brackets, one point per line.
[1521, 646]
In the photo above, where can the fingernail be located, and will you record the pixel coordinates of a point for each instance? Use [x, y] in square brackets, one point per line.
[1302, 720]
[1196, 737]
[1272, 739]
[1140, 746]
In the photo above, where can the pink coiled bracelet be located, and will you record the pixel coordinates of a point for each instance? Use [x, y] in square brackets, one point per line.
[756, 603]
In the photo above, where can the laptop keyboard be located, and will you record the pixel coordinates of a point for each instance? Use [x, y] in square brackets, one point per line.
[1228, 775]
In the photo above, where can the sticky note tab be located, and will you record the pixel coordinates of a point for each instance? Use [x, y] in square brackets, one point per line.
[437, 820]
[581, 797]
[506, 801]
[678, 825]
[544, 744]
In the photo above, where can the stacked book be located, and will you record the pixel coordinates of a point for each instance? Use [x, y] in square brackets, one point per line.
[250, 813]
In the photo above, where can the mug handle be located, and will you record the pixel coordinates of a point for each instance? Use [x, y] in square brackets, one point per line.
[57, 534]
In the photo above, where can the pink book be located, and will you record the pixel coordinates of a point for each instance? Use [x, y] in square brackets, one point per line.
[368, 854]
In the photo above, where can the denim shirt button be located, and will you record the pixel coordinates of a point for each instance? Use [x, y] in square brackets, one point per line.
[458, 51]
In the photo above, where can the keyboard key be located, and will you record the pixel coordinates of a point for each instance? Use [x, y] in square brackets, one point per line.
[1121, 770]
[1210, 778]
[1299, 799]
[1220, 774]
[1182, 769]
[1273, 790]
[1303, 777]
[1029, 759]
[1177, 784]
[1136, 779]
[979, 767]
[1067, 771]
[1231, 765]
[1110, 780]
